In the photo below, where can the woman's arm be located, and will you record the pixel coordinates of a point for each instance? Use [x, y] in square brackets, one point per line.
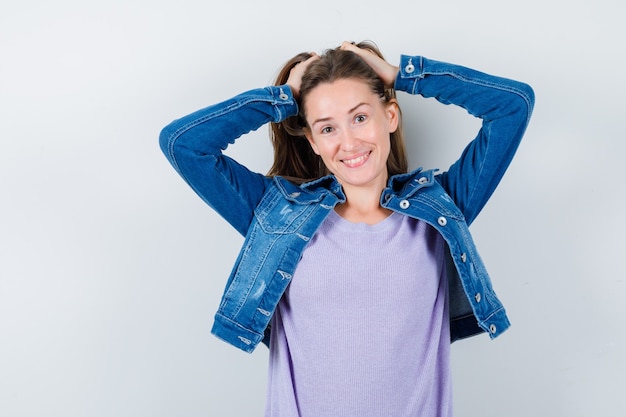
[194, 145]
[503, 105]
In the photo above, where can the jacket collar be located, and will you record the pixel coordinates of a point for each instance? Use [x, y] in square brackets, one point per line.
[403, 185]
[312, 191]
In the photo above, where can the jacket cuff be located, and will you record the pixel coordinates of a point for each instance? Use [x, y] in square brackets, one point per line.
[411, 71]
[284, 100]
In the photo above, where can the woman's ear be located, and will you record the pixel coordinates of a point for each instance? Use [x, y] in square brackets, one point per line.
[393, 114]
[309, 137]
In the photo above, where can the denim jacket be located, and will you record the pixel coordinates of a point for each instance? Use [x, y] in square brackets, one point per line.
[278, 218]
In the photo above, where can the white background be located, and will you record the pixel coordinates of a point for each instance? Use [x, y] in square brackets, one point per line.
[111, 268]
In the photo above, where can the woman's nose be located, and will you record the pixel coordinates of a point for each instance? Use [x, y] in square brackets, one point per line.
[349, 141]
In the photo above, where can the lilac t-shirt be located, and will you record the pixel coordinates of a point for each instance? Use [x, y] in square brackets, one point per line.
[363, 329]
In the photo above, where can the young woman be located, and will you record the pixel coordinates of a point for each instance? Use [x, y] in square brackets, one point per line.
[356, 273]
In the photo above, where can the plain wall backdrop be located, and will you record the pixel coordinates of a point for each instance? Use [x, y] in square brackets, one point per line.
[111, 268]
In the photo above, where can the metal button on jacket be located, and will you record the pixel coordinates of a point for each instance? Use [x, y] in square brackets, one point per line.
[409, 67]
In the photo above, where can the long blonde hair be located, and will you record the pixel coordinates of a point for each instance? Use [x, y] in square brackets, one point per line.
[293, 156]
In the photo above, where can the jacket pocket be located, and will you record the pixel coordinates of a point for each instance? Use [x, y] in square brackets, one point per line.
[277, 215]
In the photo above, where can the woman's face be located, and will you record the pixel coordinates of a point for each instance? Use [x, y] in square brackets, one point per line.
[349, 127]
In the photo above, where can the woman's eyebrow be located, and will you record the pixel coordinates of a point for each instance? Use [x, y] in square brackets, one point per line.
[325, 119]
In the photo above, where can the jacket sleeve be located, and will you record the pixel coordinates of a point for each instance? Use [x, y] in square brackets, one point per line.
[194, 144]
[505, 107]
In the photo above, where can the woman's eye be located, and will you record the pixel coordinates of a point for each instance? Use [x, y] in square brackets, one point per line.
[360, 118]
[327, 129]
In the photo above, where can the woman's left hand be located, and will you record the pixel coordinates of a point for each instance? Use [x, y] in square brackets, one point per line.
[385, 70]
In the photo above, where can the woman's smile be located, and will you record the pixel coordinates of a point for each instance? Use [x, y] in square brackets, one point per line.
[357, 161]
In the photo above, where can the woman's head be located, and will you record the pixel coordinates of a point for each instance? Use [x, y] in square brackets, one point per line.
[294, 156]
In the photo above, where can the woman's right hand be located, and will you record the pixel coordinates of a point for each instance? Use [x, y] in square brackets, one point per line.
[295, 75]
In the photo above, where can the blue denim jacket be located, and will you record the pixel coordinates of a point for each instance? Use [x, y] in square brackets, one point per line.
[279, 218]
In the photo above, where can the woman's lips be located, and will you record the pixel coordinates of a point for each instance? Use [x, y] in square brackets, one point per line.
[356, 161]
